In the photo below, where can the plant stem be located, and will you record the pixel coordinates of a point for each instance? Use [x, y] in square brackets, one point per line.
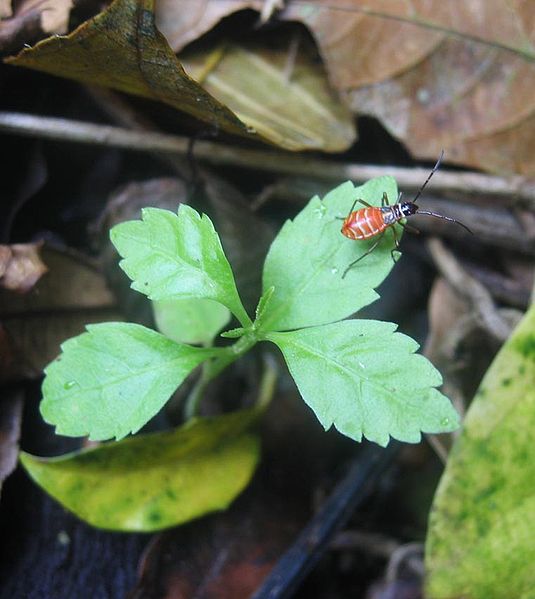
[213, 367]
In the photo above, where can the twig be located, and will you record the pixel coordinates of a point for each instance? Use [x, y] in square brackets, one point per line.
[405, 553]
[468, 287]
[280, 162]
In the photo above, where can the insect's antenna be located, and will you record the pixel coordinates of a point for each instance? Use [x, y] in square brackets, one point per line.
[435, 168]
[452, 220]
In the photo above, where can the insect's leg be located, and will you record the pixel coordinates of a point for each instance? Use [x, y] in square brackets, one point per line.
[410, 228]
[369, 251]
[353, 208]
[396, 249]
[384, 200]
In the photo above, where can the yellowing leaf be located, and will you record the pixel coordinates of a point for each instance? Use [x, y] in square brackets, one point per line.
[293, 108]
[154, 481]
[482, 526]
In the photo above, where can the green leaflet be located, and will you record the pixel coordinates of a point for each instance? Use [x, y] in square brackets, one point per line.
[177, 256]
[114, 378]
[309, 255]
[154, 481]
[482, 525]
[195, 321]
[366, 379]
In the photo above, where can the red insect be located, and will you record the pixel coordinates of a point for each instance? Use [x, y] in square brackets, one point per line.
[373, 221]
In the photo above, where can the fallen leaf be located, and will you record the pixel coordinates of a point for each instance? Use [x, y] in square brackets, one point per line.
[154, 481]
[294, 108]
[121, 48]
[227, 555]
[185, 21]
[467, 98]
[5, 9]
[20, 266]
[481, 529]
[71, 295]
[462, 79]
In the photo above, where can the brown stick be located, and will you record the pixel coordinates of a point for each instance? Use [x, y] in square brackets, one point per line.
[280, 162]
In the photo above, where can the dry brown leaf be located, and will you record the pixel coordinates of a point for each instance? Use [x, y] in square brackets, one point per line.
[185, 21]
[467, 98]
[437, 75]
[297, 110]
[20, 266]
[73, 294]
[5, 9]
[365, 41]
[121, 49]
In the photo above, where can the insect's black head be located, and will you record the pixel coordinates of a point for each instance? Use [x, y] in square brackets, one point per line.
[408, 208]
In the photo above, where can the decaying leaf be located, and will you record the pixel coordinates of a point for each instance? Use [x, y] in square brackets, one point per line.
[121, 48]
[20, 266]
[185, 21]
[71, 295]
[294, 108]
[158, 480]
[5, 9]
[437, 77]
[460, 79]
[481, 529]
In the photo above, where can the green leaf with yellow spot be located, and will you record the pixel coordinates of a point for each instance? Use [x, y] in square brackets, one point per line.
[482, 525]
[154, 481]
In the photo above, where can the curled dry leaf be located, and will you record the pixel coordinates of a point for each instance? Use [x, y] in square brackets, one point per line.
[185, 21]
[20, 266]
[122, 49]
[5, 9]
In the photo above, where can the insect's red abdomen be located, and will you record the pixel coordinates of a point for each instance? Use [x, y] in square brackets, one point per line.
[364, 223]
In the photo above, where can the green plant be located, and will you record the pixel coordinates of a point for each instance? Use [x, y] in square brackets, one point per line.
[358, 375]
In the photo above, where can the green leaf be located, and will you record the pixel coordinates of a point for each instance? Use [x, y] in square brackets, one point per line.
[154, 481]
[195, 321]
[482, 525]
[177, 256]
[365, 379]
[309, 255]
[113, 379]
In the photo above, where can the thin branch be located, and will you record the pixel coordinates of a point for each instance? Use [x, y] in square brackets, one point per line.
[280, 162]
[468, 287]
